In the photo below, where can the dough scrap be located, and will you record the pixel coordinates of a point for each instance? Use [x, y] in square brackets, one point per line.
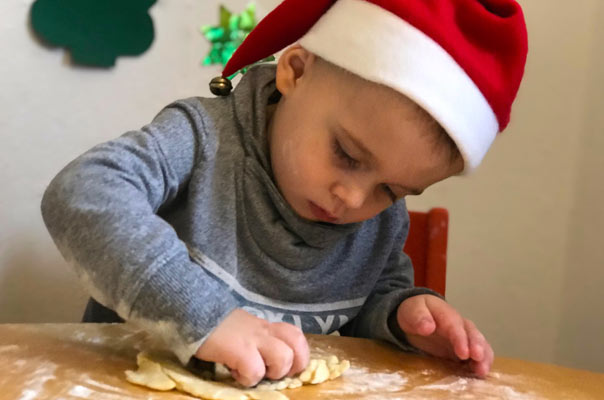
[149, 374]
[189, 383]
[161, 373]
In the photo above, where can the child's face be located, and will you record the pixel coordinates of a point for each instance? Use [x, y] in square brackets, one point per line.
[343, 149]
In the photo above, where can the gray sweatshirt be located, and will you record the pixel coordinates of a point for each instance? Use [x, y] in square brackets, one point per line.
[175, 225]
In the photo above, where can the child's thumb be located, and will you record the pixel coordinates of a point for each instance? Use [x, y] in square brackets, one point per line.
[415, 318]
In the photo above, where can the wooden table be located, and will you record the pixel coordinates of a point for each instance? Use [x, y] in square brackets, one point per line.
[87, 361]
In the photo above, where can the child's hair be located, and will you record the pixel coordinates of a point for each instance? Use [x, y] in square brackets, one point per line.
[442, 140]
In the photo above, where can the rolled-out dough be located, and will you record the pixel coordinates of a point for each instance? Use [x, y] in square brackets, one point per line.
[162, 373]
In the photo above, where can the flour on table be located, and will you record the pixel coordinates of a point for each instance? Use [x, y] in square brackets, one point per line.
[9, 347]
[472, 389]
[161, 373]
[80, 391]
[44, 372]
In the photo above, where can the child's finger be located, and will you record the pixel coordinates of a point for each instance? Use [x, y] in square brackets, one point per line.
[476, 340]
[248, 368]
[295, 339]
[459, 340]
[483, 367]
[490, 357]
[278, 357]
[481, 352]
[451, 326]
[414, 317]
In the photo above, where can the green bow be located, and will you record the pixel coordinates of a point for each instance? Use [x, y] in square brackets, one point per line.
[226, 37]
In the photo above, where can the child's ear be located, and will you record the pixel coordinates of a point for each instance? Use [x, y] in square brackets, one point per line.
[293, 64]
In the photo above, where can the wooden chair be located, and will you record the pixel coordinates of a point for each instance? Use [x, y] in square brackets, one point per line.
[426, 245]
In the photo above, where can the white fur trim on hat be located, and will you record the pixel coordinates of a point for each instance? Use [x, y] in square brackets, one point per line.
[379, 46]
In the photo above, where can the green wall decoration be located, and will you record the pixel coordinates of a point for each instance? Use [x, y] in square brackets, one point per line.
[95, 32]
[229, 34]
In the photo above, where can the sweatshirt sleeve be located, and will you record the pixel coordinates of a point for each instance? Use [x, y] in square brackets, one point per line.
[377, 317]
[101, 212]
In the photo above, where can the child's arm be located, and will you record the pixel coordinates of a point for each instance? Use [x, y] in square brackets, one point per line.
[101, 212]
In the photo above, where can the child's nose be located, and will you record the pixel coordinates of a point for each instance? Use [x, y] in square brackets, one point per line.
[353, 196]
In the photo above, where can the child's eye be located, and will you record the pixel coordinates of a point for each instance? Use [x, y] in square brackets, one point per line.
[342, 155]
[390, 193]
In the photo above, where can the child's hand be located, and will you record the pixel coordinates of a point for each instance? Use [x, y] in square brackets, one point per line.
[435, 327]
[253, 348]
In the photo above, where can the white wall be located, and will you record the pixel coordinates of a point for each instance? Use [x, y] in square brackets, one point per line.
[581, 337]
[525, 258]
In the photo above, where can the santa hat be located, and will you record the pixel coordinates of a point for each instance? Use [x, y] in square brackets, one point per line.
[460, 60]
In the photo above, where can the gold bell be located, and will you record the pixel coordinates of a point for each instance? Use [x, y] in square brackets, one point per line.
[221, 86]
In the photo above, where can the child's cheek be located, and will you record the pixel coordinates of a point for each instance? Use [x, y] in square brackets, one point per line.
[316, 170]
[291, 159]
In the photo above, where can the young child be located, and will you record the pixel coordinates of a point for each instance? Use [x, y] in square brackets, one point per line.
[230, 226]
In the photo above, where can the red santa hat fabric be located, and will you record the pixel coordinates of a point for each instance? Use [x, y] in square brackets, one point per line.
[460, 60]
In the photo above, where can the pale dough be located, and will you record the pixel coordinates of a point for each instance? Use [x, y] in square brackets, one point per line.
[161, 373]
[150, 374]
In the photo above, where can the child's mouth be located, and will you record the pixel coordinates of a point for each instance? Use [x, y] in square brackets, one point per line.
[321, 213]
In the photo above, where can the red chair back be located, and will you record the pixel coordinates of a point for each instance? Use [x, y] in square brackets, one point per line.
[426, 245]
